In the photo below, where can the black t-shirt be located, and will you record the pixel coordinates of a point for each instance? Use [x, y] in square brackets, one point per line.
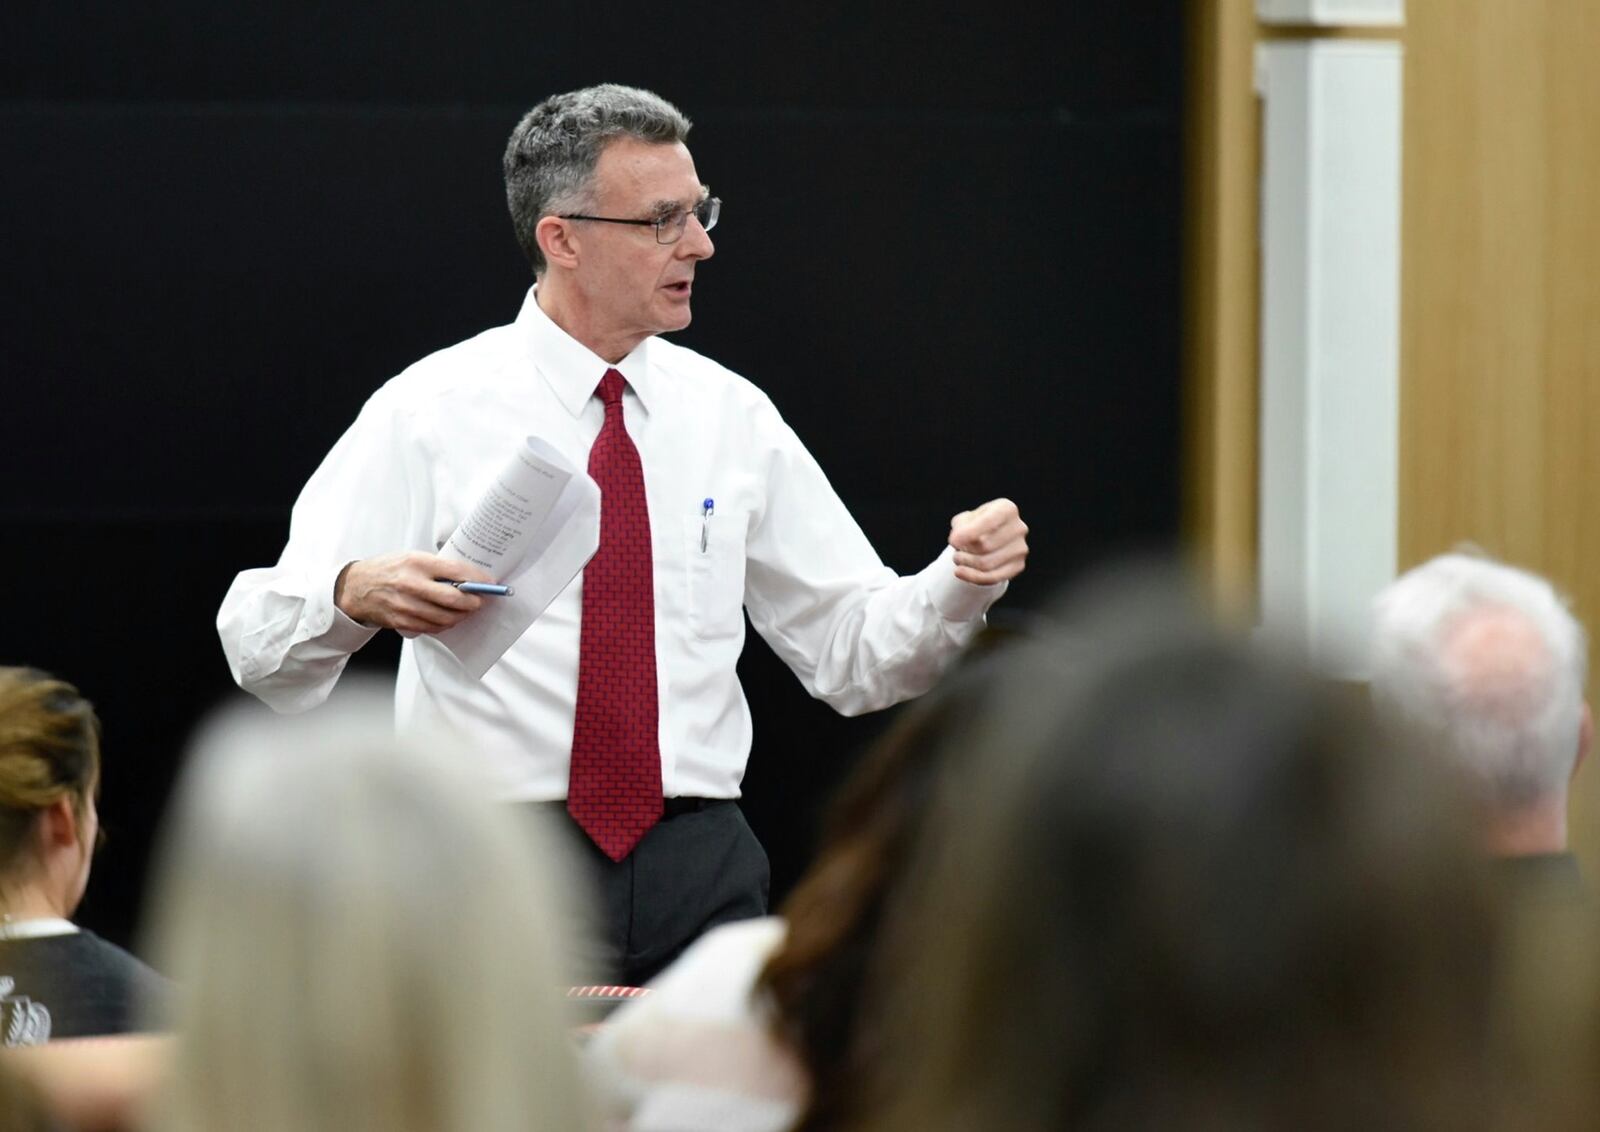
[1542, 878]
[73, 986]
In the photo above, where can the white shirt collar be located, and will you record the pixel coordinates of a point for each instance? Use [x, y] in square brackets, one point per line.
[36, 929]
[571, 368]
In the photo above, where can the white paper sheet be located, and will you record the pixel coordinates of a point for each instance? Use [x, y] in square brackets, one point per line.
[534, 529]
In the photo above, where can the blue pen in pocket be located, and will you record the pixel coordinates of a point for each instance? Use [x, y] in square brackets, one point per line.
[707, 509]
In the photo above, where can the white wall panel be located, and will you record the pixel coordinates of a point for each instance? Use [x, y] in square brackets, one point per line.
[1363, 13]
[1330, 325]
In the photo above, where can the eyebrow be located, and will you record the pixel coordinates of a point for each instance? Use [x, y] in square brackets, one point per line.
[665, 207]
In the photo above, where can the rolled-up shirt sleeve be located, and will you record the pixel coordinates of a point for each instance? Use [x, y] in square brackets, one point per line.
[857, 636]
[285, 640]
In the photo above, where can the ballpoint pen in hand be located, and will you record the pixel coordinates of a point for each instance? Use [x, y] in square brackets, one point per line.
[485, 589]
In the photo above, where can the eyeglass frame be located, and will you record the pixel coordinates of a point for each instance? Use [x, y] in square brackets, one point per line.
[712, 205]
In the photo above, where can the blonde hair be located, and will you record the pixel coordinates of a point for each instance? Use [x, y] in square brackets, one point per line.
[49, 750]
[360, 938]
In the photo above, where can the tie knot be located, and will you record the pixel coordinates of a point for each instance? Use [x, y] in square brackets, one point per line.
[610, 388]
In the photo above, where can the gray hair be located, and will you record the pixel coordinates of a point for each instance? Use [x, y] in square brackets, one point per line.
[550, 159]
[1485, 661]
[361, 939]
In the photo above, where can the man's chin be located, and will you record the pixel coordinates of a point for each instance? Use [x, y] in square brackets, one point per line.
[678, 321]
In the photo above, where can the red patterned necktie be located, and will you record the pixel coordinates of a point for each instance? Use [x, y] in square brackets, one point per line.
[614, 789]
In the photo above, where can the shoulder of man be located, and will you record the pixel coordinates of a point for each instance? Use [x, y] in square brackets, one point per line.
[710, 378]
[462, 366]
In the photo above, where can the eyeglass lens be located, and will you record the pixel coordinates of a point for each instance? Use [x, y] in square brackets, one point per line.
[670, 228]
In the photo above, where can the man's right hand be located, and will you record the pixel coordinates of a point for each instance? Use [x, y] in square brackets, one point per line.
[399, 592]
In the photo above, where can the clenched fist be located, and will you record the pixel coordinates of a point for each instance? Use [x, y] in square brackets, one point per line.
[991, 543]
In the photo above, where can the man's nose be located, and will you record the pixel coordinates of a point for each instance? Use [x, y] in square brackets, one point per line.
[696, 242]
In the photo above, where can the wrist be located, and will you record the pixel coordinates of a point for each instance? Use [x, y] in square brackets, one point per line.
[340, 588]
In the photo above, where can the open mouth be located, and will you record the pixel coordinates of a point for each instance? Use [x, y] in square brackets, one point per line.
[680, 288]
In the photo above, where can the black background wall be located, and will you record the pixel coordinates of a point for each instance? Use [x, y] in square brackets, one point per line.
[949, 251]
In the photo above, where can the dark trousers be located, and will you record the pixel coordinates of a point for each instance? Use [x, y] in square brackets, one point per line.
[699, 867]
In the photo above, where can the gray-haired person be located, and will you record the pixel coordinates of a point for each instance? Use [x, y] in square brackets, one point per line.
[621, 702]
[1484, 663]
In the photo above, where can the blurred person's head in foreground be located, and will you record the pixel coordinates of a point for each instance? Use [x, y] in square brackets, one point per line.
[1175, 883]
[362, 938]
[818, 979]
[49, 776]
[1484, 663]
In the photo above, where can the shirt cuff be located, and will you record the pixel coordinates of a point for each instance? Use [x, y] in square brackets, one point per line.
[330, 626]
[954, 599]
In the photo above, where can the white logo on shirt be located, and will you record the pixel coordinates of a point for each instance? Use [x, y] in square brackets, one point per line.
[23, 1021]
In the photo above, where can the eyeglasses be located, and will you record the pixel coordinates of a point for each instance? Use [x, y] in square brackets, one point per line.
[669, 228]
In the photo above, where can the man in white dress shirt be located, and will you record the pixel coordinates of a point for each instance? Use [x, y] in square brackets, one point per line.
[614, 219]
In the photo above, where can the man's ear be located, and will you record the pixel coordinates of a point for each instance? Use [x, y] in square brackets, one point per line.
[58, 824]
[557, 240]
[1585, 738]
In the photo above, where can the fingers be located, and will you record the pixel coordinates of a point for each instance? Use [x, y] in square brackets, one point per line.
[403, 592]
[443, 596]
[452, 569]
[990, 543]
[994, 560]
[990, 569]
[984, 528]
[439, 609]
[422, 618]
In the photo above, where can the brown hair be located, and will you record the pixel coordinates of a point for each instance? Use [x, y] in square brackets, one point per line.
[1173, 883]
[49, 750]
[818, 979]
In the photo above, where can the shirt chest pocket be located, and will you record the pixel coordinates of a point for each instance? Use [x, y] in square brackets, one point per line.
[713, 547]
